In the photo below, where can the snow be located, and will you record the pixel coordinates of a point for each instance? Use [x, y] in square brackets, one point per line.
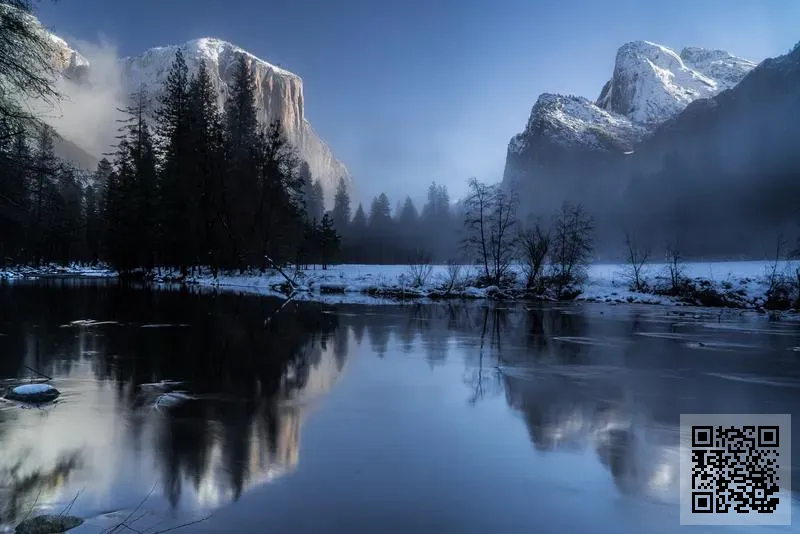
[652, 83]
[604, 282]
[22, 272]
[33, 389]
[575, 120]
[388, 284]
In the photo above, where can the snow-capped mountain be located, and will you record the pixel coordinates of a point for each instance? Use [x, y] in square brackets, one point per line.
[279, 93]
[650, 84]
[574, 120]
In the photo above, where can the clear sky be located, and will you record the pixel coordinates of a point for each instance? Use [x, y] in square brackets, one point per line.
[411, 91]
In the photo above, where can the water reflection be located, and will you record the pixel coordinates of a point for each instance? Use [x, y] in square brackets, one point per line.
[601, 385]
[583, 380]
[250, 388]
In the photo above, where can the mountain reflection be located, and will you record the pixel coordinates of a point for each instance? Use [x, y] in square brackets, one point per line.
[571, 373]
[581, 378]
[249, 387]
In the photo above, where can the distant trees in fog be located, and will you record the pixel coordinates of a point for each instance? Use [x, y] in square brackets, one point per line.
[382, 235]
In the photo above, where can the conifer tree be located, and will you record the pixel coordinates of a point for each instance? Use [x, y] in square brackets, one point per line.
[241, 193]
[133, 194]
[208, 171]
[341, 208]
[179, 210]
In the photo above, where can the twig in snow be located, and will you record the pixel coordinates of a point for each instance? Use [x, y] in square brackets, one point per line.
[275, 266]
[37, 372]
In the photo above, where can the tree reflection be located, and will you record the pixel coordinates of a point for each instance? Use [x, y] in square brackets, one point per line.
[235, 433]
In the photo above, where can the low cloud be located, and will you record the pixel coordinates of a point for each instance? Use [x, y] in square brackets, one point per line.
[87, 114]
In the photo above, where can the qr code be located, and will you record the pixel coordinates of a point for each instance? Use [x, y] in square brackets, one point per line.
[734, 469]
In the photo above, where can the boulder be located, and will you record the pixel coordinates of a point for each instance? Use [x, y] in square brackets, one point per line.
[48, 524]
[33, 393]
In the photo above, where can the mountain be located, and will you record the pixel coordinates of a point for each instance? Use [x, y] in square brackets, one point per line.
[697, 149]
[279, 93]
[650, 84]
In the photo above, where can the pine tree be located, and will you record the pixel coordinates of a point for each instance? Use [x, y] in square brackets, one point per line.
[241, 194]
[341, 208]
[329, 241]
[68, 219]
[408, 236]
[281, 208]
[133, 193]
[93, 211]
[179, 210]
[15, 162]
[354, 245]
[241, 122]
[207, 154]
[43, 196]
[380, 225]
[313, 194]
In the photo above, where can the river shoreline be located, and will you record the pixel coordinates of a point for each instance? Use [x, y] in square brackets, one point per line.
[735, 285]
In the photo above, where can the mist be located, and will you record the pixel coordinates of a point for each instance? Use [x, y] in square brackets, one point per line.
[88, 112]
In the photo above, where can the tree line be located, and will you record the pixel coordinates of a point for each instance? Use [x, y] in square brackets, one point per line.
[187, 185]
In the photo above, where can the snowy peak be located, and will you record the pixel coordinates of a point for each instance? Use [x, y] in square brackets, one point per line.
[725, 69]
[279, 93]
[279, 96]
[574, 120]
[652, 83]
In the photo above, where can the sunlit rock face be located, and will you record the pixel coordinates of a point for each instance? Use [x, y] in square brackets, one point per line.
[278, 95]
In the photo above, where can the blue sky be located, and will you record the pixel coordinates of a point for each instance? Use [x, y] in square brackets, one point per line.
[411, 91]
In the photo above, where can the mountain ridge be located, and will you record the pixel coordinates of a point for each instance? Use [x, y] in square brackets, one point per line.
[650, 84]
[279, 93]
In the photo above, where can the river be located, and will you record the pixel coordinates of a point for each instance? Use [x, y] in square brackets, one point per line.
[180, 406]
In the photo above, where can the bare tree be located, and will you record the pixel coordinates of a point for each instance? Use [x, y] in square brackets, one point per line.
[675, 268]
[452, 278]
[571, 246]
[636, 258]
[478, 206]
[27, 65]
[420, 268]
[503, 237]
[773, 275]
[490, 221]
[534, 244]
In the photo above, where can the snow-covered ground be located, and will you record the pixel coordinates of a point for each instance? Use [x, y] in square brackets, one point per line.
[24, 271]
[605, 282]
[747, 281]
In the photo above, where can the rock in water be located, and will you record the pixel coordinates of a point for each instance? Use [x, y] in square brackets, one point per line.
[48, 524]
[33, 393]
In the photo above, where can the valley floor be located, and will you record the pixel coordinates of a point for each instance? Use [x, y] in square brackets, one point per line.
[739, 284]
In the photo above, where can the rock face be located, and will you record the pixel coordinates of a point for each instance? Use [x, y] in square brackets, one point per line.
[279, 96]
[650, 85]
[279, 93]
[718, 175]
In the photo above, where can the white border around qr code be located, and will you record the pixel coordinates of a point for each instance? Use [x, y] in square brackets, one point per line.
[778, 451]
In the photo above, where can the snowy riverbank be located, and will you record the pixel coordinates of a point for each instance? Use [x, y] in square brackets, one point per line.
[733, 284]
[23, 272]
[741, 284]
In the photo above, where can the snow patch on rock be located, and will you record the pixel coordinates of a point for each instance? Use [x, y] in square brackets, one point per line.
[652, 83]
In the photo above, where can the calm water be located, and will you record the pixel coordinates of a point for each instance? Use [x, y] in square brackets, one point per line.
[355, 419]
